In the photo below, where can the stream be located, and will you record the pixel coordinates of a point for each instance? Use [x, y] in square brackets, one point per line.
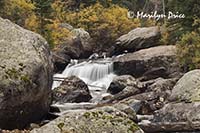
[97, 74]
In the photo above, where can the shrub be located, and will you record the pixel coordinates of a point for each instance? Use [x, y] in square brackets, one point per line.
[189, 51]
[56, 34]
[17, 10]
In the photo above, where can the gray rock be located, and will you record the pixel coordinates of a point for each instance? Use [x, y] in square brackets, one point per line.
[127, 110]
[125, 93]
[60, 61]
[105, 119]
[161, 61]
[178, 112]
[25, 76]
[174, 117]
[71, 90]
[86, 41]
[137, 39]
[121, 82]
[71, 47]
[136, 105]
[161, 85]
[150, 101]
[80, 45]
[187, 88]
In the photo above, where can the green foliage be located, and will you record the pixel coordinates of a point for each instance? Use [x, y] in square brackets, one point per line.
[43, 11]
[178, 27]
[189, 51]
[185, 32]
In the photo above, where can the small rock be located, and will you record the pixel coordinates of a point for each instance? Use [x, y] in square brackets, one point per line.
[127, 110]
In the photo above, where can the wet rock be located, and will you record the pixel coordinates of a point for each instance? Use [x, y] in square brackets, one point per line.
[162, 60]
[106, 96]
[139, 38]
[71, 90]
[121, 82]
[104, 119]
[26, 73]
[187, 88]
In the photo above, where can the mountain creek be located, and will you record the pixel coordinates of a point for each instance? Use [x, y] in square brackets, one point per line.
[136, 87]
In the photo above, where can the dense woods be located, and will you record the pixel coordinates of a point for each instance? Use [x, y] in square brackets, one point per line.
[106, 20]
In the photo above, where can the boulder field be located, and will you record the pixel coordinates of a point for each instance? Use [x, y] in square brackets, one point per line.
[149, 93]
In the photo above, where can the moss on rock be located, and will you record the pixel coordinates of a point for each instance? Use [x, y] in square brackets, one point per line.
[106, 119]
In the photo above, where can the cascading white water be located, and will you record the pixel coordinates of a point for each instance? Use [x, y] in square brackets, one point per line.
[96, 74]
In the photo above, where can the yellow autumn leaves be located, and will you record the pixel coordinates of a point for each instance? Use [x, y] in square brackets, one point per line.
[107, 23]
[104, 24]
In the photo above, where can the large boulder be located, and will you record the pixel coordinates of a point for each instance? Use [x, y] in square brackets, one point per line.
[86, 41]
[71, 90]
[79, 45]
[25, 76]
[187, 88]
[101, 120]
[149, 63]
[137, 39]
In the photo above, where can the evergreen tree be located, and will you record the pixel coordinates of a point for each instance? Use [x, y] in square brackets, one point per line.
[43, 11]
[191, 22]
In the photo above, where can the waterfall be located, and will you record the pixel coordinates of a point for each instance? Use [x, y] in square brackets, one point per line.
[97, 74]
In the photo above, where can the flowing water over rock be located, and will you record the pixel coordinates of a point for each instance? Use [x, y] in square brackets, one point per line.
[97, 74]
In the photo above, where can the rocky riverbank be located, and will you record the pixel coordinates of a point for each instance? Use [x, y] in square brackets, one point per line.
[147, 93]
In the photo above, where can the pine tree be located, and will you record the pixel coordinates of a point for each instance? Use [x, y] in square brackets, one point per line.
[43, 11]
[178, 27]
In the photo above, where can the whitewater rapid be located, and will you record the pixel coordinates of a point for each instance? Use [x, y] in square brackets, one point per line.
[96, 74]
